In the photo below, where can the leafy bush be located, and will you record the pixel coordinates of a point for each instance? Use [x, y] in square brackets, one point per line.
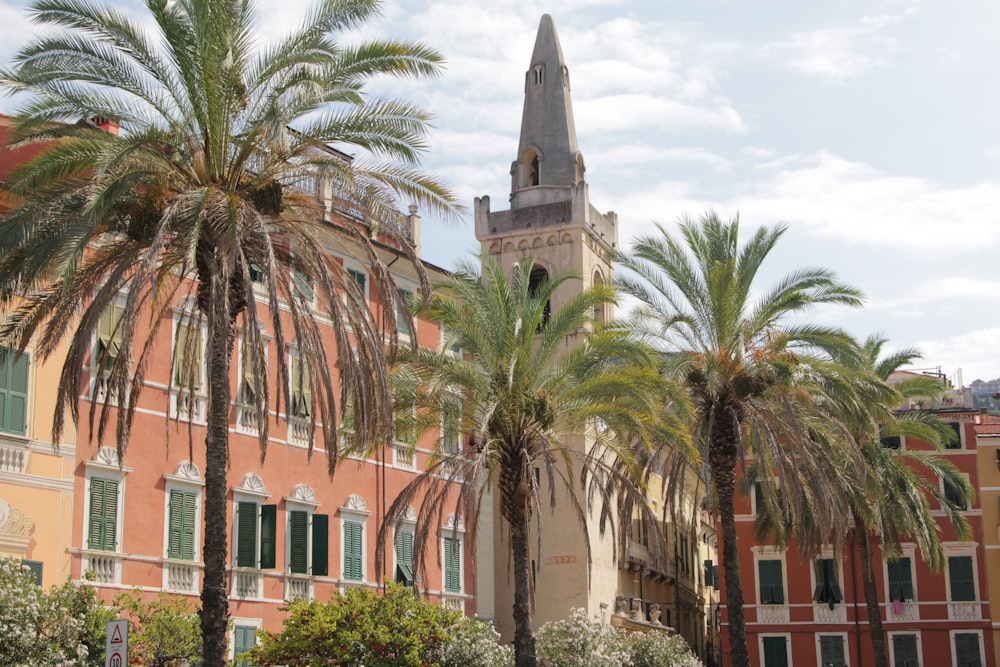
[580, 642]
[37, 629]
[163, 632]
[475, 643]
[658, 649]
[359, 627]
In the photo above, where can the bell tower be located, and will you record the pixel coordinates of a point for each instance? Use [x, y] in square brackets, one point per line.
[550, 218]
[552, 222]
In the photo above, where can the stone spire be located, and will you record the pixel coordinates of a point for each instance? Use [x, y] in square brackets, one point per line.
[548, 163]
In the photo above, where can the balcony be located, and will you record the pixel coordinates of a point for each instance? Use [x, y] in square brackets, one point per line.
[298, 587]
[908, 611]
[13, 459]
[772, 613]
[181, 577]
[299, 430]
[246, 419]
[456, 602]
[822, 613]
[187, 406]
[964, 611]
[247, 584]
[404, 457]
[103, 568]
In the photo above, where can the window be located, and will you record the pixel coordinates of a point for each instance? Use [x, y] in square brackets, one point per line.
[712, 574]
[961, 578]
[403, 313]
[831, 651]
[539, 277]
[954, 495]
[109, 341]
[758, 498]
[967, 653]
[405, 425]
[404, 558]
[188, 361]
[248, 370]
[35, 566]
[775, 651]
[244, 639]
[301, 389]
[890, 441]
[354, 552]
[302, 286]
[772, 590]
[900, 579]
[353, 298]
[957, 442]
[182, 515]
[255, 535]
[451, 424]
[13, 391]
[103, 514]
[827, 587]
[307, 556]
[904, 650]
[452, 574]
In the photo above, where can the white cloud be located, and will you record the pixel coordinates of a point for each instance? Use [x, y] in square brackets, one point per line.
[974, 352]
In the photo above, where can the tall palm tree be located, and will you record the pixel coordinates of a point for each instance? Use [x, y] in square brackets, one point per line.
[532, 386]
[197, 195]
[889, 496]
[751, 367]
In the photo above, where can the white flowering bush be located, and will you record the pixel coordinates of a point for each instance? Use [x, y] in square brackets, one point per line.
[658, 649]
[36, 630]
[579, 641]
[475, 643]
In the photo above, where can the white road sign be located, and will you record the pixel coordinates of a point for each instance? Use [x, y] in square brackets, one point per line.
[116, 648]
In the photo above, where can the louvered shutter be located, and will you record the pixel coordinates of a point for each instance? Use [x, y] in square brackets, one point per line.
[103, 513]
[832, 651]
[17, 394]
[963, 586]
[775, 652]
[900, 582]
[246, 534]
[967, 650]
[268, 536]
[353, 552]
[298, 542]
[320, 545]
[182, 521]
[452, 565]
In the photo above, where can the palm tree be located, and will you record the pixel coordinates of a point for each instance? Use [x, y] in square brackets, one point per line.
[752, 370]
[889, 496]
[197, 195]
[532, 386]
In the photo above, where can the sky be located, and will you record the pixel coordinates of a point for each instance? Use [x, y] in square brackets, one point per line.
[870, 128]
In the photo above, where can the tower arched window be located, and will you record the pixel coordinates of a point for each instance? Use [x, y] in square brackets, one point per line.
[536, 74]
[600, 310]
[538, 277]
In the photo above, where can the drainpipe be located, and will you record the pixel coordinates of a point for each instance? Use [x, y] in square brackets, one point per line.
[854, 592]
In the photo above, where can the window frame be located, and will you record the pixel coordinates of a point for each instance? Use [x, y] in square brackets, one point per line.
[828, 565]
[974, 584]
[892, 567]
[252, 492]
[354, 513]
[105, 466]
[186, 480]
[892, 636]
[7, 393]
[967, 632]
[303, 501]
[762, 647]
[243, 624]
[780, 560]
[842, 636]
[453, 533]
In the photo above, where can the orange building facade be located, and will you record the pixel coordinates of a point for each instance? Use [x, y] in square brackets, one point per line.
[294, 531]
[812, 612]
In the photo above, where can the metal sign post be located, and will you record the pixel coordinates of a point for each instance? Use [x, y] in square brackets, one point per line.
[116, 647]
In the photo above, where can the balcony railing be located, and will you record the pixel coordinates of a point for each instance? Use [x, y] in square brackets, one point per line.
[246, 419]
[184, 405]
[181, 577]
[403, 456]
[298, 587]
[823, 614]
[13, 459]
[299, 431]
[247, 584]
[908, 611]
[772, 613]
[105, 568]
[964, 611]
[456, 602]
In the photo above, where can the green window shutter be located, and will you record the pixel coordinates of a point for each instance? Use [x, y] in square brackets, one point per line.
[963, 586]
[320, 545]
[772, 590]
[353, 551]
[14, 391]
[183, 508]
[301, 388]
[775, 651]
[246, 534]
[451, 418]
[298, 542]
[244, 639]
[827, 586]
[36, 569]
[904, 651]
[404, 548]
[831, 650]
[402, 323]
[268, 536]
[967, 650]
[187, 357]
[452, 565]
[900, 581]
[103, 513]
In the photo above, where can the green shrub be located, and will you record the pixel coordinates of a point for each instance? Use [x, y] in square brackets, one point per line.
[475, 643]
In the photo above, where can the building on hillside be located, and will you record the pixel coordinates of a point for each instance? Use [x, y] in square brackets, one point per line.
[36, 477]
[294, 531]
[805, 613]
[552, 223]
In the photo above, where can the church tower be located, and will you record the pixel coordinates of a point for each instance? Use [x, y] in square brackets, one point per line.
[552, 223]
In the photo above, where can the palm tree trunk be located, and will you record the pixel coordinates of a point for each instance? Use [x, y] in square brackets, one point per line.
[214, 594]
[871, 593]
[524, 639]
[722, 456]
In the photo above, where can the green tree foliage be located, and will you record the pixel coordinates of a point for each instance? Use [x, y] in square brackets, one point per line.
[162, 632]
[476, 643]
[204, 185]
[38, 629]
[359, 628]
